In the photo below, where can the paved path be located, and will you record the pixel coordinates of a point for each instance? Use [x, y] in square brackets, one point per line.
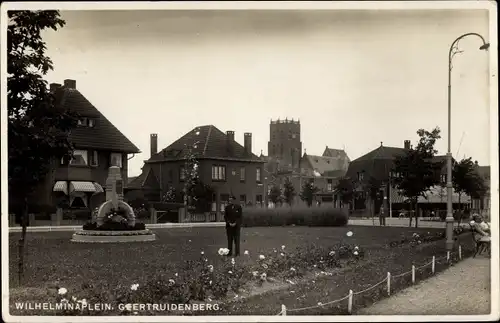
[394, 222]
[463, 289]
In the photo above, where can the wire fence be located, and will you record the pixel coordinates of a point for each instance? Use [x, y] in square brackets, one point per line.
[349, 297]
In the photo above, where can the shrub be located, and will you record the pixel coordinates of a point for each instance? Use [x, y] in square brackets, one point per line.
[303, 216]
[114, 226]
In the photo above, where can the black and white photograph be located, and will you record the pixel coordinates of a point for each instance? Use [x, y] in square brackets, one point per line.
[244, 161]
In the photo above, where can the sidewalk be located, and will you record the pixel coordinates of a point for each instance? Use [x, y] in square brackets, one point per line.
[463, 289]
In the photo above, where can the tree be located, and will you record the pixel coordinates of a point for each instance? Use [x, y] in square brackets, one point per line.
[418, 169]
[372, 189]
[466, 180]
[288, 191]
[202, 196]
[274, 195]
[308, 191]
[189, 174]
[37, 128]
[345, 189]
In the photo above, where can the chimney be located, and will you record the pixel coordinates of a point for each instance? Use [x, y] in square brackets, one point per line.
[70, 84]
[154, 143]
[248, 142]
[229, 141]
[54, 87]
[476, 163]
[407, 144]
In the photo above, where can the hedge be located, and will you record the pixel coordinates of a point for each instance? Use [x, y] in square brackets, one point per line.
[304, 216]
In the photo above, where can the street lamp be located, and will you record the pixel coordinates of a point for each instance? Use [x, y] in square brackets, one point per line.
[449, 186]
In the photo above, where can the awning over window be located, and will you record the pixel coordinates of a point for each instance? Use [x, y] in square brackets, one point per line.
[85, 187]
[61, 186]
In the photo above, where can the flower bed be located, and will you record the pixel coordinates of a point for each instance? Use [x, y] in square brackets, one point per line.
[305, 216]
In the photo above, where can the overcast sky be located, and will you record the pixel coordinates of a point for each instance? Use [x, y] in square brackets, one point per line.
[353, 78]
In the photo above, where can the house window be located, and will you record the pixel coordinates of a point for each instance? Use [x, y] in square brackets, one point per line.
[243, 199]
[218, 173]
[258, 199]
[116, 159]
[360, 176]
[80, 158]
[329, 185]
[170, 175]
[83, 122]
[91, 123]
[94, 158]
[294, 136]
[443, 178]
[182, 173]
[242, 174]
[258, 175]
[78, 200]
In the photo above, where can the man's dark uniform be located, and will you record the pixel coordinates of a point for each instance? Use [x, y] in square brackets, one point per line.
[233, 215]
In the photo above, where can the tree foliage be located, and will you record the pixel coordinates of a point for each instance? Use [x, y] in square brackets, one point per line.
[419, 171]
[289, 191]
[274, 194]
[345, 189]
[308, 191]
[466, 179]
[372, 188]
[37, 128]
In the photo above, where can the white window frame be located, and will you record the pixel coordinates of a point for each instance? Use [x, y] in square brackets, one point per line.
[83, 122]
[218, 173]
[258, 175]
[111, 155]
[80, 152]
[242, 174]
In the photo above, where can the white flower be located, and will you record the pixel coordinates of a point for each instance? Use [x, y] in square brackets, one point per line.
[349, 234]
[282, 254]
[264, 266]
[233, 261]
[319, 303]
[176, 275]
[261, 257]
[292, 269]
[62, 291]
[221, 251]
[225, 251]
[283, 247]
[211, 268]
[274, 250]
[230, 272]
[332, 253]
[210, 282]
[73, 298]
[246, 252]
[171, 281]
[355, 253]
[290, 282]
[263, 276]
[255, 273]
[472, 222]
[419, 242]
[134, 286]
[189, 240]
[236, 296]
[135, 313]
[315, 266]
[203, 252]
[356, 248]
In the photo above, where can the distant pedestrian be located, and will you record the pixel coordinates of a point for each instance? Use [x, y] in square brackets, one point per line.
[381, 216]
[233, 217]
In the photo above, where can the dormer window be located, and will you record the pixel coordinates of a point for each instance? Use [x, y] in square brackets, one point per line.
[86, 122]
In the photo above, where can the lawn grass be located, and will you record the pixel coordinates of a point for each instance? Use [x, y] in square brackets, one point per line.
[53, 260]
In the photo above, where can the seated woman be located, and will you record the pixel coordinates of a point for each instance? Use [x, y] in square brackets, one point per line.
[481, 229]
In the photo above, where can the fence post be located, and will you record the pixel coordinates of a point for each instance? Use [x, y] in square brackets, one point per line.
[349, 304]
[413, 274]
[447, 255]
[283, 309]
[460, 252]
[388, 284]
[433, 264]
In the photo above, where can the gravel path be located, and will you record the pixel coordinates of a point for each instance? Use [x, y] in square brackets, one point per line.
[463, 289]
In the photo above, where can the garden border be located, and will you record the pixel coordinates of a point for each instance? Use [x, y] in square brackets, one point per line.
[284, 310]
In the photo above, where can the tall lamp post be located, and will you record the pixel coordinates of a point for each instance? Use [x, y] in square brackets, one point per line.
[449, 186]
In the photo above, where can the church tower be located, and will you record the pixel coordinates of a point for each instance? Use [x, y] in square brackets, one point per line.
[284, 143]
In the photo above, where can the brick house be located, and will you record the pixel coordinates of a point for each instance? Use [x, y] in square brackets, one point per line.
[379, 164]
[483, 204]
[224, 164]
[78, 183]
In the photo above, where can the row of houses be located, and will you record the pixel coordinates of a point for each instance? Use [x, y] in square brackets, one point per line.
[229, 167]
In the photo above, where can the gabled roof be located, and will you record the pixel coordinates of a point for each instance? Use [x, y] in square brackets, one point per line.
[211, 143]
[103, 136]
[323, 164]
[382, 152]
[147, 180]
[338, 153]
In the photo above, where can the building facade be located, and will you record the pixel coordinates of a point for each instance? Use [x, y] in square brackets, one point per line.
[226, 166]
[285, 146]
[77, 184]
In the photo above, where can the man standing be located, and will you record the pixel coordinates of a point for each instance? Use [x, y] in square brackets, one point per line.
[382, 216]
[233, 217]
